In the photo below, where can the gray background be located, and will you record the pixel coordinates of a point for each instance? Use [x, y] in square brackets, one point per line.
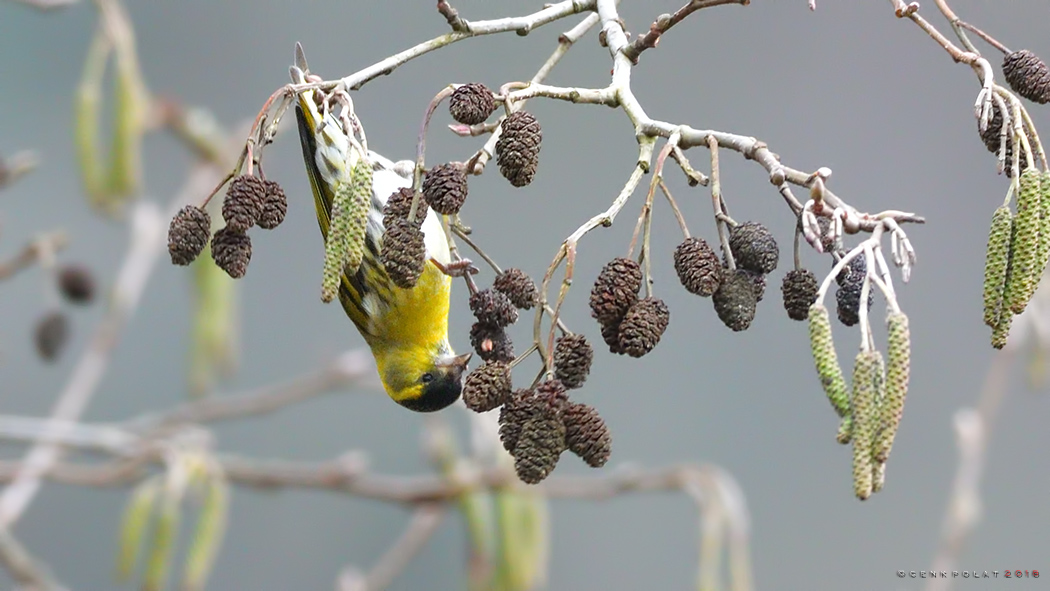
[849, 87]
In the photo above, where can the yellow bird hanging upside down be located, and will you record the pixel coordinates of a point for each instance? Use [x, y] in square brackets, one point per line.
[407, 329]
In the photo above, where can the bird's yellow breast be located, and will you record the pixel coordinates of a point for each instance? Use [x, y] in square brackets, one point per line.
[416, 315]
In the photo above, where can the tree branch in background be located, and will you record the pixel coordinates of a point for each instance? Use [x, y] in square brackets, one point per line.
[147, 236]
[40, 250]
[351, 368]
[421, 528]
[47, 5]
[973, 428]
[29, 572]
[17, 166]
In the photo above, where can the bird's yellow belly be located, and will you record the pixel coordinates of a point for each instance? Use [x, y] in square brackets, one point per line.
[419, 314]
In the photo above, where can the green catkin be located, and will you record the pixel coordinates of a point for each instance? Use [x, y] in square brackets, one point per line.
[1024, 273]
[898, 372]
[1044, 221]
[878, 476]
[865, 419]
[996, 262]
[845, 432]
[827, 363]
[361, 181]
[345, 247]
[878, 469]
[1002, 329]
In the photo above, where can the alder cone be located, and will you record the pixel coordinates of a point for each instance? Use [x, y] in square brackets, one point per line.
[77, 284]
[491, 342]
[587, 435]
[244, 201]
[754, 247]
[698, 267]
[518, 286]
[471, 104]
[1027, 75]
[518, 148]
[735, 301]
[275, 206]
[572, 360]
[445, 188]
[800, 291]
[188, 234]
[615, 290]
[493, 307]
[403, 253]
[487, 387]
[232, 251]
[643, 325]
[991, 138]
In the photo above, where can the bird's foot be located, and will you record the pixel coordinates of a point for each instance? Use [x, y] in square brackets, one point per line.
[460, 268]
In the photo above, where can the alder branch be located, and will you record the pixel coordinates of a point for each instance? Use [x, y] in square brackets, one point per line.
[664, 22]
[522, 25]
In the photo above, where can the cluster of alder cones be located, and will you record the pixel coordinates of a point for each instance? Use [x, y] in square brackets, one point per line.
[536, 424]
[250, 201]
[633, 326]
[1029, 77]
[444, 188]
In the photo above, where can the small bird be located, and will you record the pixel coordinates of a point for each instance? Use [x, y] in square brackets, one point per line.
[407, 329]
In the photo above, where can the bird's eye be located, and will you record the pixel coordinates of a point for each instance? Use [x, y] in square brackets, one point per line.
[428, 377]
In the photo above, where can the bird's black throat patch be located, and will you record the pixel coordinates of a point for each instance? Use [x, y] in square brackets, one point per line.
[437, 394]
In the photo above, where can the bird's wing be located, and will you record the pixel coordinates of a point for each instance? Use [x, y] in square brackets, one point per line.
[367, 295]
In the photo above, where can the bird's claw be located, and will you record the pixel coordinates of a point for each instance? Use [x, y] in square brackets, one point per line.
[459, 268]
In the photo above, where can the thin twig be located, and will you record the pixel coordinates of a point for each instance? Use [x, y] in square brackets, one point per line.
[565, 43]
[458, 231]
[520, 24]
[674, 207]
[664, 23]
[717, 205]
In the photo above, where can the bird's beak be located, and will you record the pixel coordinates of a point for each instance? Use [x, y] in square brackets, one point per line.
[458, 365]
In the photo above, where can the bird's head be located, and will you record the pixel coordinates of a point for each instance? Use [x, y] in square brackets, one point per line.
[422, 379]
